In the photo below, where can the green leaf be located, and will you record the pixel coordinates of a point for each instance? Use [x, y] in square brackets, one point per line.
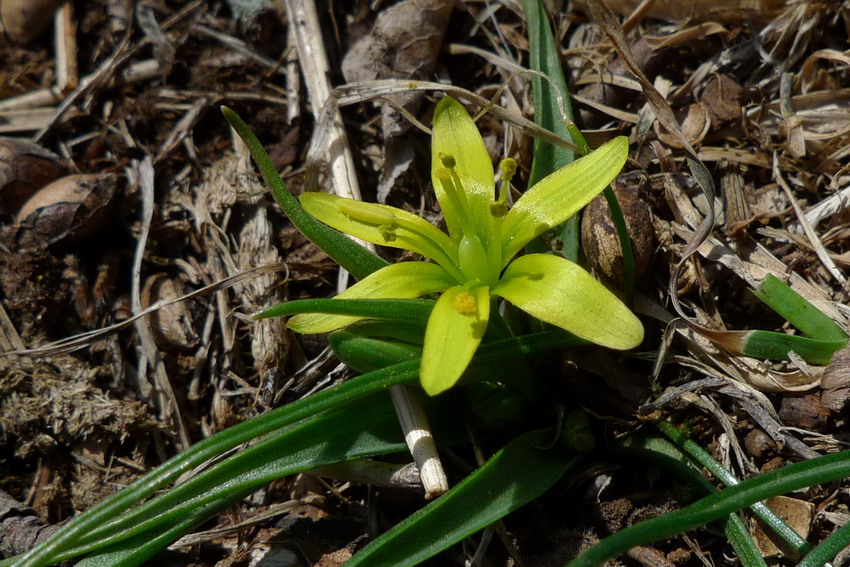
[405, 280]
[359, 261]
[514, 476]
[562, 293]
[797, 311]
[544, 56]
[663, 453]
[454, 331]
[701, 456]
[778, 346]
[561, 195]
[402, 310]
[70, 534]
[365, 354]
[350, 432]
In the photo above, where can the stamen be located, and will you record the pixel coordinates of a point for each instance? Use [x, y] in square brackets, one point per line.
[388, 232]
[365, 212]
[465, 304]
[453, 189]
[508, 167]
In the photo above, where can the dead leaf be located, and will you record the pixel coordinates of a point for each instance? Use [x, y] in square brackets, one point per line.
[796, 513]
[71, 208]
[404, 43]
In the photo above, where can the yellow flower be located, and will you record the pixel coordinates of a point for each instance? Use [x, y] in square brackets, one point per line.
[475, 260]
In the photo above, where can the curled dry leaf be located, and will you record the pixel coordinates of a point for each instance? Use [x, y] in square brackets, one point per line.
[798, 514]
[24, 20]
[836, 382]
[404, 43]
[693, 11]
[601, 243]
[695, 125]
[71, 208]
[172, 326]
[25, 168]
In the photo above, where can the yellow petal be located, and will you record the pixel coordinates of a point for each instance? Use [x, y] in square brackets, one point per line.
[561, 194]
[562, 293]
[452, 336]
[381, 224]
[456, 138]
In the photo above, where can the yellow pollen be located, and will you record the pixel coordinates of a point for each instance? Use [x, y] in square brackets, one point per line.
[508, 167]
[465, 304]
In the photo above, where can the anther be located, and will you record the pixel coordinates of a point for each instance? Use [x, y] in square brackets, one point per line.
[508, 167]
[465, 304]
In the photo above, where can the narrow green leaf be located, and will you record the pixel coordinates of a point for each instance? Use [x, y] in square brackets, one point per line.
[797, 310]
[826, 468]
[768, 344]
[365, 354]
[370, 428]
[68, 536]
[663, 453]
[359, 261]
[514, 476]
[700, 455]
[828, 549]
[543, 56]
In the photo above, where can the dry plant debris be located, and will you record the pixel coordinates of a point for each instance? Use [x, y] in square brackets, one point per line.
[760, 90]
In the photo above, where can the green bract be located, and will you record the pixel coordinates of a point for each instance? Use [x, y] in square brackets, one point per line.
[473, 262]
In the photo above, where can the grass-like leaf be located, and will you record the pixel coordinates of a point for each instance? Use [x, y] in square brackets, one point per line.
[819, 470]
[796, 310]
[700, 455]
[402, 310]
[663, 453]
[70, 536]
[514, 476]
[369, 428]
